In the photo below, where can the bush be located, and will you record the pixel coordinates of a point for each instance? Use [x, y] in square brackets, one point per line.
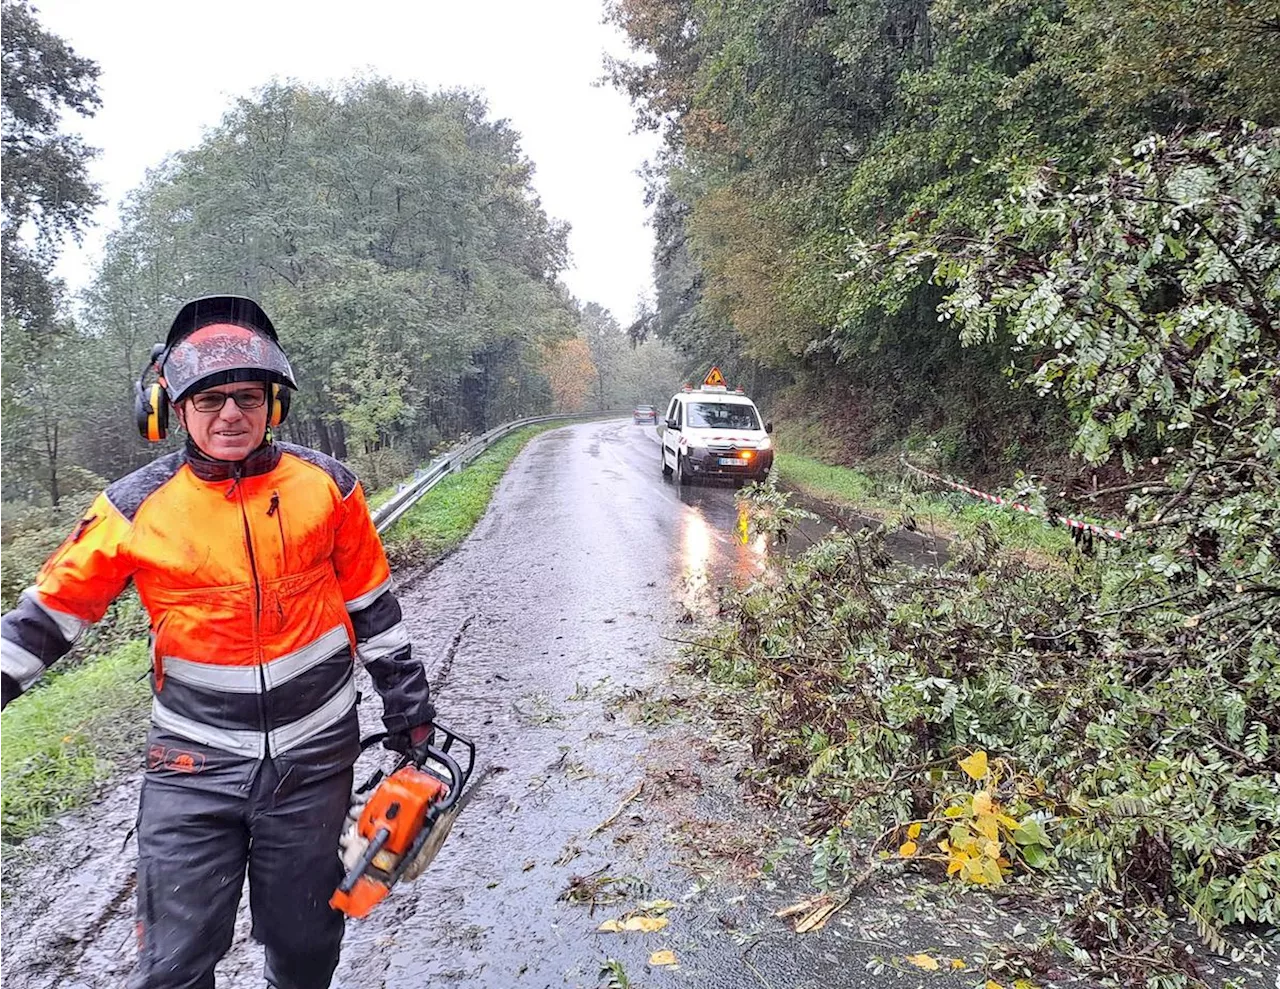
[382, 468]
[1150, 754]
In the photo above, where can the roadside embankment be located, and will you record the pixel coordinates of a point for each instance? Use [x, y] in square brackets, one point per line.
[900, 500]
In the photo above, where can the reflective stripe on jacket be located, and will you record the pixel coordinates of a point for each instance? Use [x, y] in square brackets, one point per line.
[262, 580]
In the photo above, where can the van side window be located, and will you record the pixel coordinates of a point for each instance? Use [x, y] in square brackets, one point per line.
[671, 409]
[679, 413]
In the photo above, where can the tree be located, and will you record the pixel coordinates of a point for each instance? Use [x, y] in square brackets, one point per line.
[46, 191]
[570, 373]
[393, 234]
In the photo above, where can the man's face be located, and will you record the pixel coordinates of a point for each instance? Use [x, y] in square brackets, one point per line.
[225, 430]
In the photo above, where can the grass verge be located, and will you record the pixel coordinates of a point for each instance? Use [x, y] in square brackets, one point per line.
[59, 743]
[446, 514]
[894, 500]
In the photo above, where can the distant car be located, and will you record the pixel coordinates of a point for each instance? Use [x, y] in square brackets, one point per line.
[645, 413]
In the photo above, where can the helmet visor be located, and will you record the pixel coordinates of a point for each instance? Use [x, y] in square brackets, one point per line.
[218, 348]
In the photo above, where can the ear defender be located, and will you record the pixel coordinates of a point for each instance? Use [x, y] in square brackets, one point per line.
[279, 404]
[151, 404]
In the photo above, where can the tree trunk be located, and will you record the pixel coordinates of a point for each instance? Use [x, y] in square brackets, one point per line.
[322, 432]
[51, 449]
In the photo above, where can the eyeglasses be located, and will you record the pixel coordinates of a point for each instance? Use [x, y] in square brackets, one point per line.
[213, 401]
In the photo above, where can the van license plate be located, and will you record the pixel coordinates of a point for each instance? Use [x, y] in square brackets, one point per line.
[732, 462]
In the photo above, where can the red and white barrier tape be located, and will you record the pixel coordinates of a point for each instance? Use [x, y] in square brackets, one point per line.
[1017, 505]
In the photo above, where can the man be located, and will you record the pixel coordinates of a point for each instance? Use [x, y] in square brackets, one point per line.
[263, 575]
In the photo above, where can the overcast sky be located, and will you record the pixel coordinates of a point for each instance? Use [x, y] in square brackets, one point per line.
[170, 68]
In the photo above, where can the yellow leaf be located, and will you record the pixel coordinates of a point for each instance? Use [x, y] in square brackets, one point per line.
[646, 924]
[914, 830]
[957, 863]
[991, 849]
[953, 812]
[908, 849]
[982, 803]
[926, 962]
[971, 872]
[975, 765]
[987, 826]
[1007, 821]
[957, 964]
[663, 957]
[991, 872]
[992, 985]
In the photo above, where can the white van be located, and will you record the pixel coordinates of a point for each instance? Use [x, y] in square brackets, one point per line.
[714, 432]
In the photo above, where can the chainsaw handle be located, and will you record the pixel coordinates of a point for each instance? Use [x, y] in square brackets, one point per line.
[441, 754]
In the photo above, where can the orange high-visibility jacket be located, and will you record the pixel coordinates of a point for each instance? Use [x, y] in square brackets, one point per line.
[262, 579]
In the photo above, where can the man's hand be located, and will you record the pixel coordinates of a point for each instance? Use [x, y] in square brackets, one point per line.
[10, 690]
[421, 734]
[414, 741]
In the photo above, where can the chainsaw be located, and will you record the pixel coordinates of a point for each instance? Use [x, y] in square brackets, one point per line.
[400, 827]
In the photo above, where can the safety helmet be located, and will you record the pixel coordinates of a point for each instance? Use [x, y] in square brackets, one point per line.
[220, 339]
[215, 340]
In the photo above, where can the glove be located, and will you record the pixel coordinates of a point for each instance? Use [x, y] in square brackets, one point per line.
[9, 689]
[412, 742]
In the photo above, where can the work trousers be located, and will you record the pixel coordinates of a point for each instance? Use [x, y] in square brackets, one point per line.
[193, 849]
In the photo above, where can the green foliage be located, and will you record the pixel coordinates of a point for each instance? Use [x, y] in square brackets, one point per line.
[798, 131]
[867, 676]
[393, 234]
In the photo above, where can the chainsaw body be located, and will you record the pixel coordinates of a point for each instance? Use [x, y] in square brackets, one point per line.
[404, 821]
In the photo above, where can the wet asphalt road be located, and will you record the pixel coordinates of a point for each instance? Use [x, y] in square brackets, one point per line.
[549, 637]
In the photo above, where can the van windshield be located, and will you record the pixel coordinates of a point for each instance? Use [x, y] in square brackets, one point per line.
[721, 415]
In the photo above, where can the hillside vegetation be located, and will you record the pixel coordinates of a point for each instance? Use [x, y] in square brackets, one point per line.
[997, 235]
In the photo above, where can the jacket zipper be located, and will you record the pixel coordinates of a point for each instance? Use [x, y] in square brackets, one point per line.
[257, 612]
[284, 549]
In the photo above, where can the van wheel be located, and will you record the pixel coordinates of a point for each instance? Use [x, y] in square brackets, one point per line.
[666, 471]
[682, 472]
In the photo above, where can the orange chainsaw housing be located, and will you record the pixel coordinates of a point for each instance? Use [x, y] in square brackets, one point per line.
[399, 804]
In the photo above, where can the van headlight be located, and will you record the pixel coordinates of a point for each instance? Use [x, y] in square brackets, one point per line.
[765, 444]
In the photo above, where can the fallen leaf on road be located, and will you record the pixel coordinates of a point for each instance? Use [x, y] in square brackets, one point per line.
[663, 957]
[655, 906]
[646, 925]
[926, 962]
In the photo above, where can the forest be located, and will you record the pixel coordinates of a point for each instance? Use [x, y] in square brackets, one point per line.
[799, 136]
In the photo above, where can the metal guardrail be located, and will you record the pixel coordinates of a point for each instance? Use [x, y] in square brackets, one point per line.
[426, 478]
